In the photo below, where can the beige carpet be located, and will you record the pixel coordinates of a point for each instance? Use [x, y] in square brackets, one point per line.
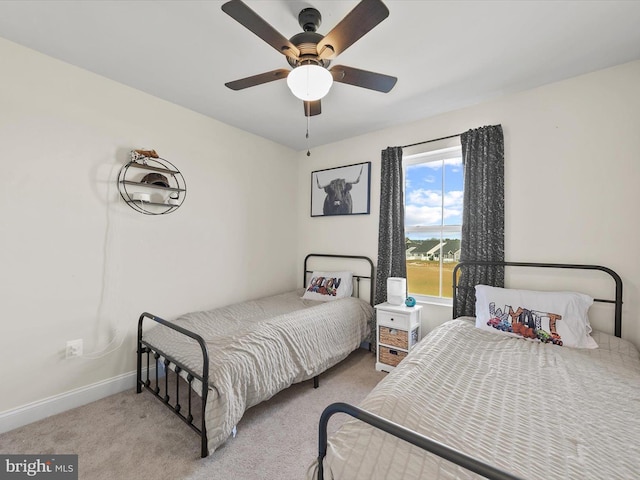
[131, 436]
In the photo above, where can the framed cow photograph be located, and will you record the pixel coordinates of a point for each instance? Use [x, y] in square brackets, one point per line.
[341, 190]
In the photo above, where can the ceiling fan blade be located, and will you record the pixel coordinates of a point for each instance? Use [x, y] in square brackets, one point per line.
[366, 15]
[363, 78]
[240, 12]
[258, 79]
[312, 108]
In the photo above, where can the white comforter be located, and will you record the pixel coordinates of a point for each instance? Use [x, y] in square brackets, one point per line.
[536, 410]
[257, 348]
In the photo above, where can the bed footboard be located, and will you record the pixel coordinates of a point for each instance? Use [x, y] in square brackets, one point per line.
[443, 451]
[176, 367]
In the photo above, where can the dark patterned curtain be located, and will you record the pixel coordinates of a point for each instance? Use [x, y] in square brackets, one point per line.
[483, 212]
[391, 241]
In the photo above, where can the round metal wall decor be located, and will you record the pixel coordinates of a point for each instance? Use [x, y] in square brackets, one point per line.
[150, 184]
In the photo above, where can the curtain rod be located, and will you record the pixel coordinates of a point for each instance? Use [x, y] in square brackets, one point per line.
[429, 141]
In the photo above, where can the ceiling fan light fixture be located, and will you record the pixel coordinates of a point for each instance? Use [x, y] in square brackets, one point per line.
[309, 82]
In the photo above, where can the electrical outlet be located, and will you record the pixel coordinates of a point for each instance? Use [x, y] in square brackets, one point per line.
[74, 348]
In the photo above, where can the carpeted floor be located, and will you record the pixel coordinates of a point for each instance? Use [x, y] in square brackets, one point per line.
[131, 436]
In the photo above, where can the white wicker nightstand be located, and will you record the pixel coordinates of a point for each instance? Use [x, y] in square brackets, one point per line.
[397, 332]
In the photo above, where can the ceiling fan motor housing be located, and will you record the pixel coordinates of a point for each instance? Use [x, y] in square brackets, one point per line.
[307, 40]
[307, 43]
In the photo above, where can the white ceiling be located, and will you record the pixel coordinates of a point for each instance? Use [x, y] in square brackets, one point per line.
[446, 54]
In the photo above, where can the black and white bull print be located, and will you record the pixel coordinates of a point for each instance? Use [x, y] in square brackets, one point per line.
[338, 200]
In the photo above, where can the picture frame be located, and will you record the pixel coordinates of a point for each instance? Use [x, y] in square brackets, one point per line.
[342, 190]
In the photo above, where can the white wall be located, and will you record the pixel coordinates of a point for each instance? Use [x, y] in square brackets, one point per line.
[572, 176]
[76, 262]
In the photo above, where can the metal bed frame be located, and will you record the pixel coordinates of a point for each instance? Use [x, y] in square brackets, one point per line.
[424, 442]
[173, 401]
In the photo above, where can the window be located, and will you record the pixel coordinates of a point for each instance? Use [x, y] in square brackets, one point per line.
[433, 192]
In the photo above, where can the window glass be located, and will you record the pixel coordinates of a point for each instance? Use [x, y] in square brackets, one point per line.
[433, 220]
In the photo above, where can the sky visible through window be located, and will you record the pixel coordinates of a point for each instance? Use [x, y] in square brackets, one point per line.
[425, 185]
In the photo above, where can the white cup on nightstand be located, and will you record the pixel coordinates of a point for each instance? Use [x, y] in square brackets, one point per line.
[396, 290]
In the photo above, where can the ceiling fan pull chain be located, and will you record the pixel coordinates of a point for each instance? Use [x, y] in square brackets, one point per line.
[308, 105]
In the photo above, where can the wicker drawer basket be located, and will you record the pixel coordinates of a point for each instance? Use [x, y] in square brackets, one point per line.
[389, 356]
[394, 337]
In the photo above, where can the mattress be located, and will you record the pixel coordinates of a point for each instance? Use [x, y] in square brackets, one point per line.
[259, 347]
[532, 409]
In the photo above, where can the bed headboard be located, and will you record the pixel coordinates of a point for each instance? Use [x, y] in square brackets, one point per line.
[617, 301]
[362, 268]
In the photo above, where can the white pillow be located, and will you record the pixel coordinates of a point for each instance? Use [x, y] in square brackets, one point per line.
[327, 286]
[550, 317]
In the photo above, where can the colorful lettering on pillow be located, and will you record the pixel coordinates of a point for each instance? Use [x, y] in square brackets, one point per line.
[325, 285]
[557, 318]
[526, 323]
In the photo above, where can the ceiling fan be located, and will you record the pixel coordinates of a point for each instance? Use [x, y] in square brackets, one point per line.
[310, 53]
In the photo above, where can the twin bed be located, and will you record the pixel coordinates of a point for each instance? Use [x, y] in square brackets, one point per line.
[237, 356]
[490, 403]
[472, 399]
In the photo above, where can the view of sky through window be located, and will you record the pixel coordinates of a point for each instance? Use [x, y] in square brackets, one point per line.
[433, 193]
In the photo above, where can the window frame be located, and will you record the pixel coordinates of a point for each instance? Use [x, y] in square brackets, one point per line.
[440, 154]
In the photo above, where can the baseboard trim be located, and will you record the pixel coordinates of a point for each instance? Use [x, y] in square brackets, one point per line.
[32, 412]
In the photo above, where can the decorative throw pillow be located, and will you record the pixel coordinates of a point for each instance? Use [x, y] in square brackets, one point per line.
[559, 318]
[327, 286]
